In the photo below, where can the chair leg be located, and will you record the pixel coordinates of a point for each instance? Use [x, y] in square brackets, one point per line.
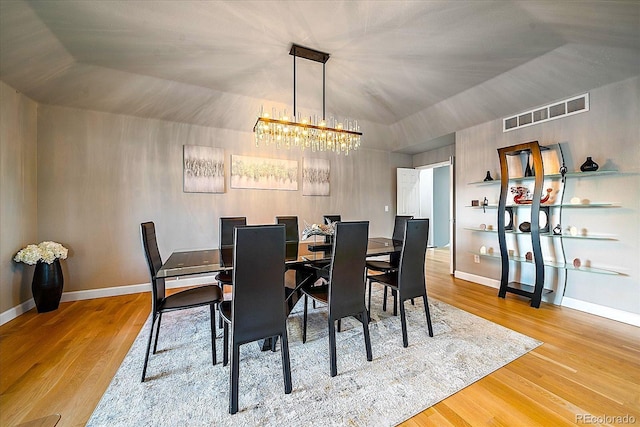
[225, 344]
[428, 314]
[286, 365]
[332, 347]
[339, 325]
[413, 302]
[235, 374]
[304, 320]
[155, 344]
[384, 299]
[212, 308]
[403, 320]
[146, 356]
[369, 303]
[395, 302]
[367, 338]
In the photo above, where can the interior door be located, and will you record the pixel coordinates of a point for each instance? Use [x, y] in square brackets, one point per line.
[408, 192]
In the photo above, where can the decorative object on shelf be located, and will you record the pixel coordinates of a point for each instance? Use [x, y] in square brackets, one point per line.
[490, 251]
[543, 219]
[483, 250]
[47, 280]
[528, 171]
[589, 165]
[573, 231]
[489, 227]
[305, 132]
[575, 200]
[485, 202]
[488, 177]
[475, 203]
[577, 263]
[508, 218]
[557, 230]
[563, 170]
[529, 256]
[525, 227]
[523, 195]
[483, 226]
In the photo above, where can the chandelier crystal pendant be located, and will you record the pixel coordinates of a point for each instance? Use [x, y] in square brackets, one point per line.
[303, 132]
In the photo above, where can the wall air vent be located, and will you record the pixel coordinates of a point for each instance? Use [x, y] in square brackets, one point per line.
[557, 110]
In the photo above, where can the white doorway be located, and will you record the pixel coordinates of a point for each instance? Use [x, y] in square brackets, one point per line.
[427, 192]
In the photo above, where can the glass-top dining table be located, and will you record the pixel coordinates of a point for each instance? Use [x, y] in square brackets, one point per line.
[306, 258]
[190, 262]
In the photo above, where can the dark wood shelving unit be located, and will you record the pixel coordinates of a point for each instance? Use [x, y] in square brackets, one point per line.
[534, 292]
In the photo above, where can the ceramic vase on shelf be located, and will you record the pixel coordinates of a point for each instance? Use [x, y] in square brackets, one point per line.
[47, 286]
[589, 165]
[528, 170]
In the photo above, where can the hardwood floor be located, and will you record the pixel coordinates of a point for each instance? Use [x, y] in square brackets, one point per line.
[62, 362]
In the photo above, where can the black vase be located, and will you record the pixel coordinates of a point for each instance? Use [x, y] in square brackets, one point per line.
[528, 171]
[47, 286]
[488, 177]
[589, 166]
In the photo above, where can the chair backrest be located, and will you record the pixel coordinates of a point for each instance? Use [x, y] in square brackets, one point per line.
[347, 272]
[154, 261]
[227, 225]
[326, 219]
[411, 277]
[399, 226]
[290, 227]
[258, 282]
[398, 235]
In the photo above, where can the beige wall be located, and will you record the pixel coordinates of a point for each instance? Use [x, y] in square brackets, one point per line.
[431, 157]
[610, 133]
[18, 190]
[100, 175]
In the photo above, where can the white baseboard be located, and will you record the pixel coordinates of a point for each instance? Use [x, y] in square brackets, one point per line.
[587, 307]
[602, 311]
[16, 311]
[492, 283]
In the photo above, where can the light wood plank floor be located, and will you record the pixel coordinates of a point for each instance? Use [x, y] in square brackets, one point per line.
[62, 362]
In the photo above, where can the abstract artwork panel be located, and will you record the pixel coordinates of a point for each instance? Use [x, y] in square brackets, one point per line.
[264, 174]
[203, 169]
[316, 175]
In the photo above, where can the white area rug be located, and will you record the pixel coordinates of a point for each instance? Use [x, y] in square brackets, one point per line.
[184, 389]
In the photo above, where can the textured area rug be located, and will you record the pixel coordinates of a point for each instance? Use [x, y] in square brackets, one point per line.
[183, 388]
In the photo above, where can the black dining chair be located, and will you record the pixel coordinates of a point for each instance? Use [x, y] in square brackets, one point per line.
[387, 266]
[292, 238]
[345, 292]
[257, 309]
[161, 303]
[227, 225]
[408, 281]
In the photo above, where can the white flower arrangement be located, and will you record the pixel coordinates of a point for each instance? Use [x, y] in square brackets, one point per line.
[318, 230]
[45, 252]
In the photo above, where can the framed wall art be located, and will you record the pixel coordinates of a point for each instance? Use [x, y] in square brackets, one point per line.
[203, 169]
[264, 174]
[316, 174]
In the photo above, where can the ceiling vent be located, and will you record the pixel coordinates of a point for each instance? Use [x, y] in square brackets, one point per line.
[557, 110]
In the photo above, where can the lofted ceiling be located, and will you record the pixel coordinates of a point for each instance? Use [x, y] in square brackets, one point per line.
[399, 65]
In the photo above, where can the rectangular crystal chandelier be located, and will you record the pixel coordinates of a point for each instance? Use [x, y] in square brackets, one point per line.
[303, 132]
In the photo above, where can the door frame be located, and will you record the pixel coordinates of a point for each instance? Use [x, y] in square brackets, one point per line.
[452, 210]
